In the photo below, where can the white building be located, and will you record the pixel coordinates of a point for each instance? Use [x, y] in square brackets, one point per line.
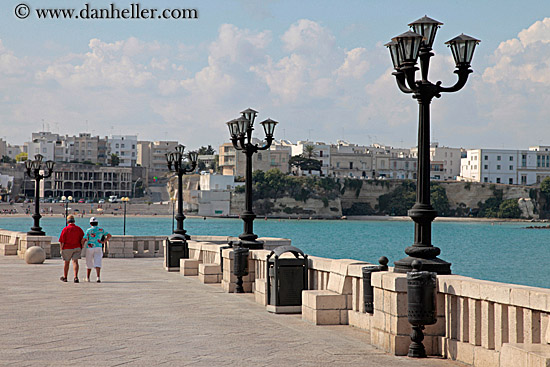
[13, 150]
[41, 145]
[125, 147]
[444, 161]
[534, 165]
[214, 197]
[492, 166]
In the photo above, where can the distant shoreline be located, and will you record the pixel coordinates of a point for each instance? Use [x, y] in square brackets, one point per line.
[351, 218]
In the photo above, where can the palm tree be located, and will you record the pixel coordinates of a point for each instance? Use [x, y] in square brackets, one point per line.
[309, 151]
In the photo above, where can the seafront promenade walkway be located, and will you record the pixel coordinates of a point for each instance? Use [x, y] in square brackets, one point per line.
[140, 315]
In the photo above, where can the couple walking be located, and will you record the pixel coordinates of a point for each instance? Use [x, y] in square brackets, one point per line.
[73, 239]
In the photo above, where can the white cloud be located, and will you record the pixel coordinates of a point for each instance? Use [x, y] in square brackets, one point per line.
[112, 65]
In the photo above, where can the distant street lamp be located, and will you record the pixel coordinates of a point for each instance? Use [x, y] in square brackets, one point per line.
[240, 131]
[33, 171]
[177, 162]
[405, 50]
[134, 190]
[125, 200]
[66, 200]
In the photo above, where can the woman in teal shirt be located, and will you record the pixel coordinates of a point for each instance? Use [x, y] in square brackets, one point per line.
[95, 238]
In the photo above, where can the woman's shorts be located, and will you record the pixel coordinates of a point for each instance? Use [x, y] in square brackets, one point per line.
[93, 257]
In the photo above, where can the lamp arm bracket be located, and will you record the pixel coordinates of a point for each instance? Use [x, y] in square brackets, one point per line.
[265, 146]
[462, 73]
[400, 79]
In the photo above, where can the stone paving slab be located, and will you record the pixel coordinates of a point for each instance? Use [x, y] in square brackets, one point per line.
[141, 315]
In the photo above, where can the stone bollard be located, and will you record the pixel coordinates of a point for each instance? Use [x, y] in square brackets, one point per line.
[35, 255]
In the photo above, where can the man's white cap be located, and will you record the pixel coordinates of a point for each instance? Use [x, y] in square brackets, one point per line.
[93, 220]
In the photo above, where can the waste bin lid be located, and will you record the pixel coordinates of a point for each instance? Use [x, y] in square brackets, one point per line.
[278, 251]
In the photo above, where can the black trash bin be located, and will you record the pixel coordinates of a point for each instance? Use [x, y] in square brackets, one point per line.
[286, 279]
[177, 248]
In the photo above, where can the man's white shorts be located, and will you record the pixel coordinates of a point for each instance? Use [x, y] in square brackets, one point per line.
[93, 257]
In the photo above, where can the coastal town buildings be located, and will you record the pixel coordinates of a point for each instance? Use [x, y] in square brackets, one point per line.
[152, 156]
[84, 181]
[233, 162]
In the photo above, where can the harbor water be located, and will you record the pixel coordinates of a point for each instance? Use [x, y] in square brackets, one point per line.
[501, 251]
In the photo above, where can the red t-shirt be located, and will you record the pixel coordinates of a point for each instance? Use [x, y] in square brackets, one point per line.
[71, 236]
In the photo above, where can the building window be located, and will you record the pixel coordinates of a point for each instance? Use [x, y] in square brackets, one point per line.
[486, 157]
[320, 153]
[511, 168]
[350, 165]
[523, 179]
[133, 146]
[498, 166]
[122, 145]
[511, 158]
[337, 164]
[498, 158]
[486, 166]
[511, 181]
[259, 156]
[485, 179]
[116, 145]
[524, 160]
[498, 179]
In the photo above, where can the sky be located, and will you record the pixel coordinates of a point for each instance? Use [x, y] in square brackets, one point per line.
[319, 68]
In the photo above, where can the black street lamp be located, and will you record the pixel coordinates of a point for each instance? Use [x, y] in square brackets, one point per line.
[125, 200]
[241, 136]
[66, 200]
[405, 50]
[177, 162]
[33, 171]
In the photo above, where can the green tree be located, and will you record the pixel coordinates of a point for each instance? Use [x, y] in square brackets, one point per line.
[439, 200]
[115, 160]
[6, 159]
[206, 150]
[309, 151]
[509, 209]
[545, 186]
[400, 200]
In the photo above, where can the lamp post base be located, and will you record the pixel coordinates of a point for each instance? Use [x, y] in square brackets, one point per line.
[436, 265]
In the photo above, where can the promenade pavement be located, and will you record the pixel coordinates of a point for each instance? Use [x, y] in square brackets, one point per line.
[141, 315]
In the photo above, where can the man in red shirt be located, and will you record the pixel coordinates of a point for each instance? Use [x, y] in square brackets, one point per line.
[71, 242]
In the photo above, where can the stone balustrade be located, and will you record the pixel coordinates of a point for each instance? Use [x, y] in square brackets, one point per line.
[17, 243]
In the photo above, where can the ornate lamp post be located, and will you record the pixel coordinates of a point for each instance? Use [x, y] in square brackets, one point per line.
[125, 200]
[241, 136]
[405, 50]
[33, 171]
[176, 163]
[66, 200]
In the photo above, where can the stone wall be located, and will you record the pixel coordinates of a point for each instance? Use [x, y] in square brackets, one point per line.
[287, 207]
[480, 323]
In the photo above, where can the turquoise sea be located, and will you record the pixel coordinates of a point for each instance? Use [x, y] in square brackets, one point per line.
[503, 252]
